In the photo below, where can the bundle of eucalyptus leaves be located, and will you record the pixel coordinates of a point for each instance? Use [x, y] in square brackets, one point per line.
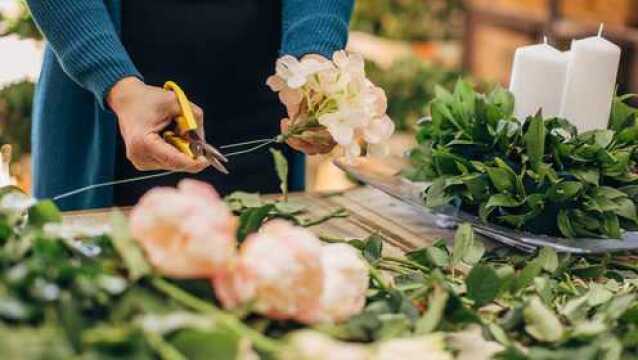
[537, 175]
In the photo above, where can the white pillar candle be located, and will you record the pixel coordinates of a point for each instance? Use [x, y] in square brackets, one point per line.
[591, 83]
[538, 80]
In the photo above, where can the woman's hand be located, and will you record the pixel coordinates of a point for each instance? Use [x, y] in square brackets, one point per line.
[143, 112]
[320, 141]
[316, 142]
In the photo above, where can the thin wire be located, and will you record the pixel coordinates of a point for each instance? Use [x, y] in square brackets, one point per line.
[111, 183]
[261, 142]
[246, 143]
[250, 149]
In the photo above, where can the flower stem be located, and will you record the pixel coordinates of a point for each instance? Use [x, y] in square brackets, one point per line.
[162, 348]
[406, 262]
[338, 213]
[259, 341]
[376, 276]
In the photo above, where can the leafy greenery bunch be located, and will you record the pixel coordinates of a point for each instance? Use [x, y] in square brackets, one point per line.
[537, 175]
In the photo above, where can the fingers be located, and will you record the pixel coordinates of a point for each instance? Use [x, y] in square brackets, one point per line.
[165, 157]
[199, 117]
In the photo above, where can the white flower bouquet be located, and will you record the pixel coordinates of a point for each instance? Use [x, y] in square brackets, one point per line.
[331, 103]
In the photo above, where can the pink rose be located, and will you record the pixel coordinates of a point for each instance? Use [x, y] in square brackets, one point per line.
[279, 270]
[186, 232]
[345, 283]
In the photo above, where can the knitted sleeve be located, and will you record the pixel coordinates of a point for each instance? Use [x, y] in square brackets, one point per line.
[315, 26]
[85, 41]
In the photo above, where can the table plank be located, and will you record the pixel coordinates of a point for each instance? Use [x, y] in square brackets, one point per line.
[371, 210]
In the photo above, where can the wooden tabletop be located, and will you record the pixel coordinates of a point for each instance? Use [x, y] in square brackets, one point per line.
[405, 228]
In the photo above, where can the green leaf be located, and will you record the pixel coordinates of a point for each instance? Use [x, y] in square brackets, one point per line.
[44, 212]
[565, 224]
[127, 248]
[289, 207]
[463, 242]
[431, 256]
[433, 316]
[475, 254]
[483, 284]
[621, 114]
[281, 166]
[207, 345]
[535, 141]
[251, 220]
[526, 276]
[548, 259]
[501, 179]
[563, 191]
[503, 200]
[587, 175]
[541, 322]
[244, 199]
[373, 248]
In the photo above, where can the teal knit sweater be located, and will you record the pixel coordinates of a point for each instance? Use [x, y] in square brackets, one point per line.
[74, 135]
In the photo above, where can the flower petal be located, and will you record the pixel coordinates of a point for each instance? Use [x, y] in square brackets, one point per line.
[378, 130]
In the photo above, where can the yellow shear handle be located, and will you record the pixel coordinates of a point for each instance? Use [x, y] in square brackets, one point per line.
[182, 145]
[186, 122]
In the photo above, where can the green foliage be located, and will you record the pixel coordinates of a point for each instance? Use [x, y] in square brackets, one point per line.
[281, 167]
[96, 297]
[538, 175]
[410, 19]
[15, 116]
[409, 84]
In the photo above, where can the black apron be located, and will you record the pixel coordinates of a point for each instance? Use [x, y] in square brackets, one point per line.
[220, 52]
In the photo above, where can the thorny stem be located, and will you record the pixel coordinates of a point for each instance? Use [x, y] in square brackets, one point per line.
[259, 341]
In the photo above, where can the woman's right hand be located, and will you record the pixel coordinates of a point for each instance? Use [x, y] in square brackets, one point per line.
[143, 112]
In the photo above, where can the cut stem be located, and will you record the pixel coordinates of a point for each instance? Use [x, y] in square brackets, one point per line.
[259, 341]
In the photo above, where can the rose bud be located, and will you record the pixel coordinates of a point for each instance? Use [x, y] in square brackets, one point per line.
[345, 283]
[279, 269]
[186, 232]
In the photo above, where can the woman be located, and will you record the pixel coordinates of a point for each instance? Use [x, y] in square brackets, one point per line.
[100, 107]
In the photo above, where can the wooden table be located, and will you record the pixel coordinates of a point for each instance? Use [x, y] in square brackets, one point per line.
[403, 227]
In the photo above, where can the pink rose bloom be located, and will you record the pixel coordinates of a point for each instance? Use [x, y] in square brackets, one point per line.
[279, 269]
[345, 283]
[186, 232]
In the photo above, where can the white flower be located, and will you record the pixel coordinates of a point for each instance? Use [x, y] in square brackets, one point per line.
[378, 130]
[312, 345]
[295, 73]
[351, 65]
[430, 347]
[345, 283]
[186, 232]
[336, 95]
[279, 270]
[342, 124]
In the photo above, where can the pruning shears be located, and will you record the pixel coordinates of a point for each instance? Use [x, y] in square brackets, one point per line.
[184, 136]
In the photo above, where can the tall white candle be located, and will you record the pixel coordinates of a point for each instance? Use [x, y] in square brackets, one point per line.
[591, 82]
[538, 80]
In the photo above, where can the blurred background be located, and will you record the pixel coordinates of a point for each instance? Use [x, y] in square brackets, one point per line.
[411, 45]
